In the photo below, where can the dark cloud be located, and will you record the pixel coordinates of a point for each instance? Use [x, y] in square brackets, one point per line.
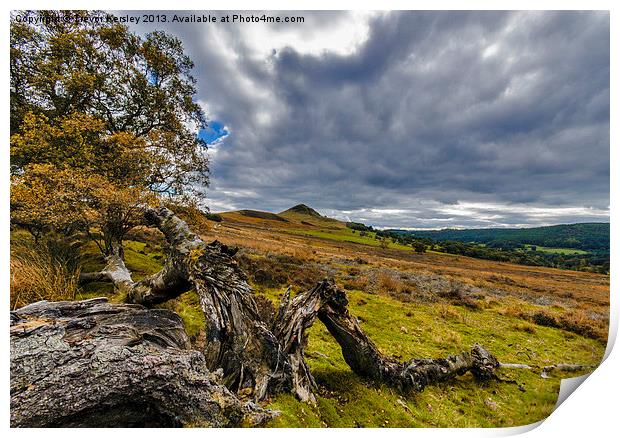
[432, 119]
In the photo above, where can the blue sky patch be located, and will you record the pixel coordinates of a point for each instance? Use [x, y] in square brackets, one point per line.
[213, 132]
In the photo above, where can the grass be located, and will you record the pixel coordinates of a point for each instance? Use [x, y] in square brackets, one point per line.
[44, 271]
[551, 250]
[188, 308]
[434, 330]
[411, 305]
[349, 235]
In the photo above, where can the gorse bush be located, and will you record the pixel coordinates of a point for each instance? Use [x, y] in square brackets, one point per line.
[48, 270]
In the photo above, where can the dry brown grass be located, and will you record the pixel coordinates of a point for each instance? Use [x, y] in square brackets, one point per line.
[448, 312]
[389, 284]
[581, 323]
[356, 282]
[575, 301]
[460, 295]
[576, 321]
[395, 286]
[276, 270]
[38, 274]
[526, 327]
[527, 282]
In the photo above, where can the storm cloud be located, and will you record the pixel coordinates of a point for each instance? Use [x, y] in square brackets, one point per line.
[409, 119]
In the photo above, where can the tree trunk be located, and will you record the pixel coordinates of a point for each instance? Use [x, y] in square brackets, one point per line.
[114, 271]
[289, 327]
[90, 363]
[237, 341]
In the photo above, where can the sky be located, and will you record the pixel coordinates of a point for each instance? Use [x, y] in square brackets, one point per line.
[408, 119]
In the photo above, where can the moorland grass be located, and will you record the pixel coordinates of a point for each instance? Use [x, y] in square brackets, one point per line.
[408, 330]
[405, 329]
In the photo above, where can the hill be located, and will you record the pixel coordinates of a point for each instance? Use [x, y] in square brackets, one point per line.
[300, 216]
[585, 236]
[302, 209]
[308, 216]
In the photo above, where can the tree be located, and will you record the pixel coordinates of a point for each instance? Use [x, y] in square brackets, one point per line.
[102, 123]
[419, 246]
[383, 243]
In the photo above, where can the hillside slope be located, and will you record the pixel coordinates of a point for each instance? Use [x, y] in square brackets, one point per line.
[424, 305]
[300, 217]
[411, 305]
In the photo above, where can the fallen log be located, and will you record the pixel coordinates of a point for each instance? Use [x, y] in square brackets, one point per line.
[268, 357]
[91, 363]
[365, 359]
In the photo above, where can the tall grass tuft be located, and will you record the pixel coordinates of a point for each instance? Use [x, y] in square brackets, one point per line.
[48, 271]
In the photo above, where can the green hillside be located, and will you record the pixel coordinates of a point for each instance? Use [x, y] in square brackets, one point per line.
[585, 236]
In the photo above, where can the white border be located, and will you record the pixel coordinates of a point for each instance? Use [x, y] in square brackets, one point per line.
[592, 409]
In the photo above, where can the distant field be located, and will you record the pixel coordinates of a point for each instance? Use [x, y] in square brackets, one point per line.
[551, 250]
[584, 236]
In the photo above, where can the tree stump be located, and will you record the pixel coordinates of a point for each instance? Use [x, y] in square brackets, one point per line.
[91, 363]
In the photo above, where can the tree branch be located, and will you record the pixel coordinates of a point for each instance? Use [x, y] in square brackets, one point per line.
[366, 360]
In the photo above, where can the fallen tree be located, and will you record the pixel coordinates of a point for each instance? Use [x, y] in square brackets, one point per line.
[267, 357]
[366, 360]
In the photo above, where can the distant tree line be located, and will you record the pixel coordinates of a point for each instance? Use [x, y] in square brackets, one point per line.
[584, 236]
[524, 253]
[359, 226]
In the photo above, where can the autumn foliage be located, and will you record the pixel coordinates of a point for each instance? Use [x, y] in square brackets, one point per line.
[103, 123]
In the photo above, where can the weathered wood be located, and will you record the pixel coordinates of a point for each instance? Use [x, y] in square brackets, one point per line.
[567, 367]
[366, 360]
[237, 340]
[289, 327]
[172, 280]
[91, 363]
[114, 271]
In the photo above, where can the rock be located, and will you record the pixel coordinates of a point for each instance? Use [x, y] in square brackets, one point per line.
[491, 404]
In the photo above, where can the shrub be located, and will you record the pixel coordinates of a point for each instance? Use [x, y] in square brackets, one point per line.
[526, 327]
[572, 321]
[356, 282]
[448, 312]
[460, 295]
[214, 217]
[276, 270]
